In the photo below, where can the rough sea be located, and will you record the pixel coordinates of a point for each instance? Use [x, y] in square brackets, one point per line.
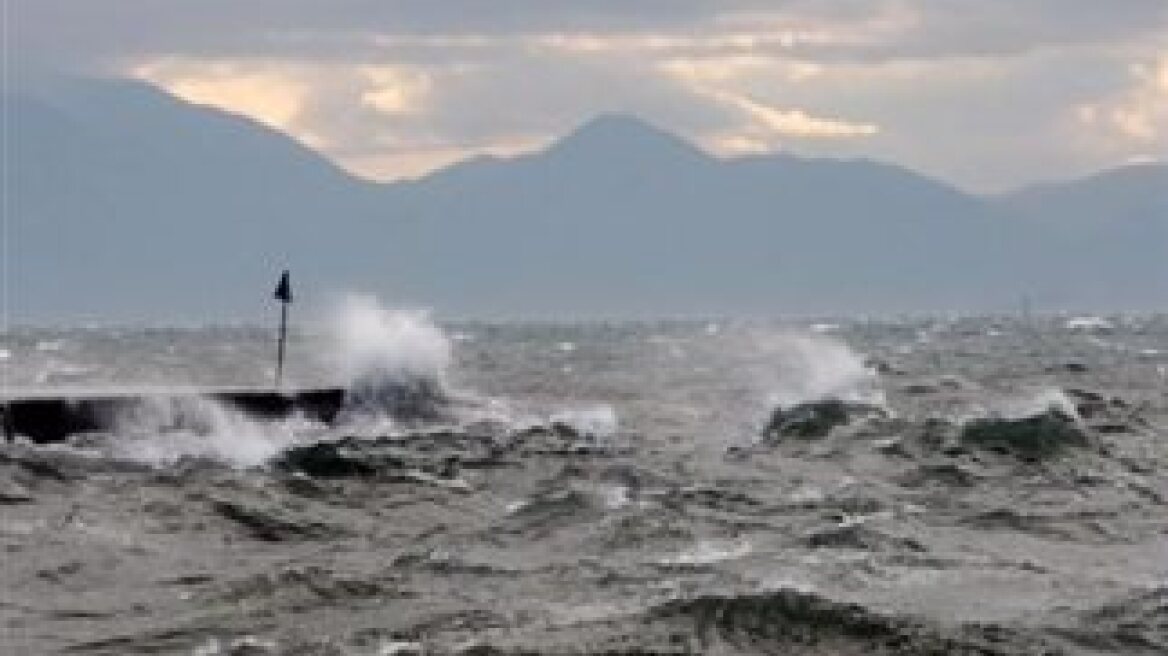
[963, 485]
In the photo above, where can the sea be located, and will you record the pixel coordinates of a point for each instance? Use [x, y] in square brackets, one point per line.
[892, 485]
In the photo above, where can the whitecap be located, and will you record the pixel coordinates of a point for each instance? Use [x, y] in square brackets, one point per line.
[599, 421]
[1088, 324]
[708, 552]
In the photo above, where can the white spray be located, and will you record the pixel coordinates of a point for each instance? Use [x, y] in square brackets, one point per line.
[161, 431]
[395, 362]
[794, 368]
[375, 342]
[597, 421]
[1025, 403]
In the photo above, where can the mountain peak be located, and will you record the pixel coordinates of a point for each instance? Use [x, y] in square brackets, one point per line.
[617, 124]
[615, 135]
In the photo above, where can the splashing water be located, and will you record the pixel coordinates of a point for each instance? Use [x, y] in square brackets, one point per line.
[395, 365]
[163, 431]
[598, 421]
[1036, 403]
[798, 368]
[374, 341]
[395, 362]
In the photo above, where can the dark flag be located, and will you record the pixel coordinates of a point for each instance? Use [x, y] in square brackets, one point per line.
[284, 295]
[284, 289]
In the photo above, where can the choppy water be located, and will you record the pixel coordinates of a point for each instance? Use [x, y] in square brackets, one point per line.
[654, 520]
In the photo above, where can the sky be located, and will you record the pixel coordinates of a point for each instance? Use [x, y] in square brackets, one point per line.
[989, 95]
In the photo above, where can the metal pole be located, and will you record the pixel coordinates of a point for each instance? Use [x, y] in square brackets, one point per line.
[283, 338]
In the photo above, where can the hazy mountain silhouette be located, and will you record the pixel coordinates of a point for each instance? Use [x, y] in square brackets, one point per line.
[128, 202]
[1136, 191]
[125, 199]
[619, 216]
[1106, 235]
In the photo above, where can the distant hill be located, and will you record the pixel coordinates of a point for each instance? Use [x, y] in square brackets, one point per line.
[130, 203]
[1101, 240]
[1136, 191]
[125, 199]
[621, 217]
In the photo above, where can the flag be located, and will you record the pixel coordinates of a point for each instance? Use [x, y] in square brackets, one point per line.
[284, 289]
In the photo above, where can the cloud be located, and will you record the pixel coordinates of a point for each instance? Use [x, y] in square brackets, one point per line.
[735, 68]
[988, 93]
[767, 124]
[389, 120]
[337, 108]
[395, 90]
[267, 92]
[761, 125]
[796, 121]
[1139, 114]
[72, 33]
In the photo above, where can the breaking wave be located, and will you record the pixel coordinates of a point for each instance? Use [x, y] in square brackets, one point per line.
[797, 368]
[598, 421]
[163, 431]
[394, 366]
[395, 363]
[374, 343]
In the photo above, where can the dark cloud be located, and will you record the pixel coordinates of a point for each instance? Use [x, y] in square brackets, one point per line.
[80, 34]
[87, 33]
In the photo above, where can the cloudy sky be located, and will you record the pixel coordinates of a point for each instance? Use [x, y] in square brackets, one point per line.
[987, 94]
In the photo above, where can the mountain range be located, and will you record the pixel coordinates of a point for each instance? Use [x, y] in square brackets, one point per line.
[128, 203]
